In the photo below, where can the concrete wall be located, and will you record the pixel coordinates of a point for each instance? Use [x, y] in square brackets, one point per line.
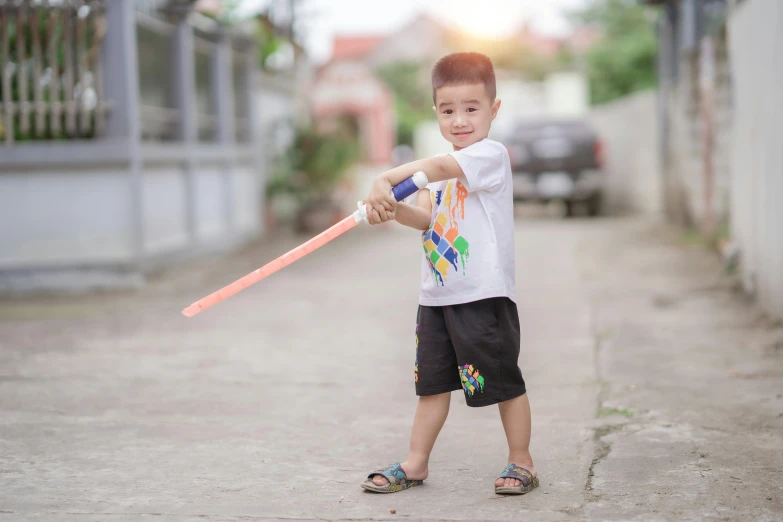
[697, 118]
[164, 209]
[49, 217]
[428, 141]
[226, 203]
[755, 41]
[519, 99]
[567, 94]
[628, 130]
[78, 226]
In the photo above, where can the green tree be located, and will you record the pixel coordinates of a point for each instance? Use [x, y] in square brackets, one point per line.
[412, 96]
[623, 61]
[313, 165]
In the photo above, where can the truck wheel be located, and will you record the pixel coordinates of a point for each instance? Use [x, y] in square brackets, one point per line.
[594, 205]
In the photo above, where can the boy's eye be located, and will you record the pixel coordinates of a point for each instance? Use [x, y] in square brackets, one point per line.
[448, 111]
[471, 109]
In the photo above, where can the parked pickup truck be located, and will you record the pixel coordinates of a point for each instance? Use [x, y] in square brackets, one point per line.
[557, 160]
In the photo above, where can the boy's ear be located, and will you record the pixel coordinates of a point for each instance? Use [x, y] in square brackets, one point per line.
[434, 109]
[495, 107]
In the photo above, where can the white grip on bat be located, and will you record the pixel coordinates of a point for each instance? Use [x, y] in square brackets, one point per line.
[361, 213]
[400, 191]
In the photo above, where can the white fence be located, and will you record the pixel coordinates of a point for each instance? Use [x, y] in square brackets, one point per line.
[755, 41]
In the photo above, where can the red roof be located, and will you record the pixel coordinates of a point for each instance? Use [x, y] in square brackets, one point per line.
[580, 40]
[543, 45]
[585, 37]
[354, 46]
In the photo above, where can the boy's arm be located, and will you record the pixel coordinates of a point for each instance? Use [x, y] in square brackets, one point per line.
[437, 169]
[416, 216]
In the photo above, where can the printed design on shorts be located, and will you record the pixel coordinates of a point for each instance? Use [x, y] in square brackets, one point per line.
[444, 247]
[416, 364]
[471, 379]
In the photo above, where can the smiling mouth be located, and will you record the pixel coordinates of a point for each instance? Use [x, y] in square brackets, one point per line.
[461, 134]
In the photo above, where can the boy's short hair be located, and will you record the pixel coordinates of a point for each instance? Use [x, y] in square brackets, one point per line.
[464, 69]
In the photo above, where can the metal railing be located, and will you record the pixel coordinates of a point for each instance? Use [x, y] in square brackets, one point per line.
[155, 40]
[206, 118]
[157, 23]
[50, 64]
[52, 83]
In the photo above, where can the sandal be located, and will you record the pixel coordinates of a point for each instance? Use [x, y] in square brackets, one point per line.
[397, 478]
[528, 481]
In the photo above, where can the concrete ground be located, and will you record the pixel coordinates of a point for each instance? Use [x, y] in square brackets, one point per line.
[657, 390]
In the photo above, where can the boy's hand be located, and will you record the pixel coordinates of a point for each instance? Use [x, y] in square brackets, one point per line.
[376, 218]
[381, 200]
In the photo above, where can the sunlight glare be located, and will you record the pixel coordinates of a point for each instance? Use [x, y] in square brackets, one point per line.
[485, 18]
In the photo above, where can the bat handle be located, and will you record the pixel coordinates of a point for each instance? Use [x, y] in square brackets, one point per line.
[410, 186]
[400, 191]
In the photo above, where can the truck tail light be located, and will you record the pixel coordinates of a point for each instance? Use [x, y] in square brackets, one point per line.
[598, 150]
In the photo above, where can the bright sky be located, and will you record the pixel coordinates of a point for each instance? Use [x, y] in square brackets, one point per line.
[326, 18]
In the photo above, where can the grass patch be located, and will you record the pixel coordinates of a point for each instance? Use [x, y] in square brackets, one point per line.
[692, 237]
[606, 412]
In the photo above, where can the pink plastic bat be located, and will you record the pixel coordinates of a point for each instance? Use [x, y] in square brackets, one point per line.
[400, 191]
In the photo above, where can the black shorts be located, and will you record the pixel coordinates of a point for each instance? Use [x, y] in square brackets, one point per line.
[471, 346]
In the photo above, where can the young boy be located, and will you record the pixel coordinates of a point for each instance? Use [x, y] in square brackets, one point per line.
[467, 330]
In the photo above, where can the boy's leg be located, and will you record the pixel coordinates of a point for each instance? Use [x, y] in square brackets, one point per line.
[431, 413]
[487, 336]
[436, 377]
[515, 415]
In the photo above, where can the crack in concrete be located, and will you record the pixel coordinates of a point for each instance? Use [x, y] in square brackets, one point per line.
[603, 448]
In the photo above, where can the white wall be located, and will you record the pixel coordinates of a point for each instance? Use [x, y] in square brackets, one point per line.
[165, 205]
[164, 209]
[755, 43]
[210, 202]
[246, 201]
[628, 130]
[428, 141]
[519, 100]
[567, 94]
[278, 108]
[49, 217]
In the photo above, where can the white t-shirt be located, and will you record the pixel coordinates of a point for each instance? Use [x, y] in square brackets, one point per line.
[469, 247]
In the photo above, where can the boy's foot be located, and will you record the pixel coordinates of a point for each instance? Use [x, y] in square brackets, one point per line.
[411, 471]
[512, 482]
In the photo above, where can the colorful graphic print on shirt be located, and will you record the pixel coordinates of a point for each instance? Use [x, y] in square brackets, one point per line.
[444, 247]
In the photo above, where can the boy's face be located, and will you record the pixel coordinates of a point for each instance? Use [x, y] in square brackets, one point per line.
[465, 113]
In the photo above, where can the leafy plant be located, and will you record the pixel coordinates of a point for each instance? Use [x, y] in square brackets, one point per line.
[40, 17]
[412, 96]
[313, 165]
[269, 39]
[623, 61]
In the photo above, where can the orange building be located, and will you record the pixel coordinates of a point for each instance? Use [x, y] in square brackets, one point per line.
[347, 93]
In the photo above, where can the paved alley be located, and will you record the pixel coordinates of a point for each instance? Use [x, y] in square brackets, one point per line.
[656, 388]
